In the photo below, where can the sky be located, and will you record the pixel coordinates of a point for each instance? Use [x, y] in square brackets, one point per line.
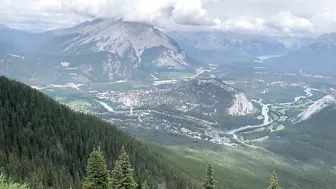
[270, 17]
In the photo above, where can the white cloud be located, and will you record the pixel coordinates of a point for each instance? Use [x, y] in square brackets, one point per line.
[66, 12]
[274, 17]
[287, 23]
[191, 12]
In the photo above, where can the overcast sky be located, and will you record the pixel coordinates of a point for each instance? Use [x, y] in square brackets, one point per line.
[272, 17]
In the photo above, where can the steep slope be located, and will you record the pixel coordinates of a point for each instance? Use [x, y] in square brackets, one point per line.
[215, 92]
[138, 42]
[318, 106]
[47, 144]
[217, 46]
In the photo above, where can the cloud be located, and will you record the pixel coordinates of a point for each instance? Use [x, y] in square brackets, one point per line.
[280, 17]
[287, 23]
[191, 12]
[272, 17]
[67, 12]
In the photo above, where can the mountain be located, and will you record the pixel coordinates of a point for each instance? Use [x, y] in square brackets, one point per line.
[47, 144]
[6, 47]
[216, 92]
[23, 41]
[316, 58]
[216, 46]
[311, 140]
[294, 43]
[98, 50]
[140, 44]
[318, 106]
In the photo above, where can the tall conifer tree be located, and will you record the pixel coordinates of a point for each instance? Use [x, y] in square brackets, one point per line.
[97, 174]
[209, 182]
[122, 174]
[274, 181]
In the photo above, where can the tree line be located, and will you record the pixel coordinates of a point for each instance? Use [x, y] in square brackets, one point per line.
[121, 177]
[99, 177]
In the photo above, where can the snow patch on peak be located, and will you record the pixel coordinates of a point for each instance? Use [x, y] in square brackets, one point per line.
[241, 105]
[317, 107]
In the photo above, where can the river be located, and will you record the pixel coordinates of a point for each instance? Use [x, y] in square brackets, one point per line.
[267, 120]
[106, 106]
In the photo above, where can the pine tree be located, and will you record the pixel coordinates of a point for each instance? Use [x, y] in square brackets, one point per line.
[97, 174]
[145, 185]
[122, 174]
[209, 182]
[274, 181]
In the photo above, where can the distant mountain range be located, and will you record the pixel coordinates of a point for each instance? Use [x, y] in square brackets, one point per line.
[316, 58]
[100, 50]
[113, 50]
[217, 46]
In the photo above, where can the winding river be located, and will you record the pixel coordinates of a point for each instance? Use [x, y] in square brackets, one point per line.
[267, 120]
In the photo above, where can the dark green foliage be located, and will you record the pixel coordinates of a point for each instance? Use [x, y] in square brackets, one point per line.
[122, 174]
[274, 181]
[47, 143]
[144, 185]
[97, 174]
[209, 182]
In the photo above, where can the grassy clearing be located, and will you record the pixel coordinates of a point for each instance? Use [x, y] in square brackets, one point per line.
[59, 99]
[283, 118]
[80, 105]
[280, 128]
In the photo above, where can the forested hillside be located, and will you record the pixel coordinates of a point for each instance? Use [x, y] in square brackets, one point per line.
[47, 145]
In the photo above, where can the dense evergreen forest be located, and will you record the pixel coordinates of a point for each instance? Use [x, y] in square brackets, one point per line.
[47, 145]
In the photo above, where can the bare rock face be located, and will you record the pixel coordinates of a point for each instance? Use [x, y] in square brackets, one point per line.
[241, 106]
[317, 107]
[126, 40]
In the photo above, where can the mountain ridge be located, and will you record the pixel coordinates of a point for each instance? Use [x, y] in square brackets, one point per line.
[317, 106]
[217, 45]
[123, 39]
